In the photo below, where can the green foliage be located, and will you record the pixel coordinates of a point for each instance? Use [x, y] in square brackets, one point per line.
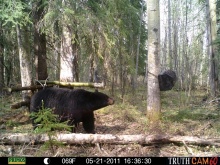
[14, 12]
[11, 123]
[105, 30]
[49, 123]
[98, 27]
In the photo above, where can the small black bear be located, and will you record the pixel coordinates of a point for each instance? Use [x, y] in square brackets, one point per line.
[73, 105]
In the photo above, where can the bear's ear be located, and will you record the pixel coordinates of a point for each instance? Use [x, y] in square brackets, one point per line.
[96, 90]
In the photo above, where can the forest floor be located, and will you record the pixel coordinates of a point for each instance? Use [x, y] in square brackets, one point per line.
[194, 115]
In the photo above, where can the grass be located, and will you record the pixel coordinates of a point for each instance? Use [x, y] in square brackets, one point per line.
[180, 115]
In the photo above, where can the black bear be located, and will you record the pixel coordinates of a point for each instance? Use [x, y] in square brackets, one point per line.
[167, 80]
[73, 105]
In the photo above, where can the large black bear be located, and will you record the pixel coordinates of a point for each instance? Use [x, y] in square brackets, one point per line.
[73, 105]
[167, 80]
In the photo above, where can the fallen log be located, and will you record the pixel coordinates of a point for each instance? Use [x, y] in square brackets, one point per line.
[73, 138]
[19, 88]
[25, 102]
[20, 104]
[51, 83]
[72, 84]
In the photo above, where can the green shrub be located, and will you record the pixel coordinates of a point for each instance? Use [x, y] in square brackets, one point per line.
[49, 123]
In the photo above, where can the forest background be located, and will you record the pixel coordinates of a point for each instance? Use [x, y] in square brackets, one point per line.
[77, 40]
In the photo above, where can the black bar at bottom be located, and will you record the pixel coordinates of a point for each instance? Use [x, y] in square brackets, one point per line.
[110, 160]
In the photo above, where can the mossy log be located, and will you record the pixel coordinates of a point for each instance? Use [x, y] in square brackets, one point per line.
[51, 83]
[72, 84]
[19, 88]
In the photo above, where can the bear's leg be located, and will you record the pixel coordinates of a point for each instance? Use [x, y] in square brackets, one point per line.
[88, 122]
[74, 128]
[73, 125]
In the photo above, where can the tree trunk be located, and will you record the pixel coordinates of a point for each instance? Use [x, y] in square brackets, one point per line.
[76, 58]
[186, 54]
[153, 93]
[1, 59]
[57, 46]
[212, 52]
[39, 43]
[73, 138]
[67, 56]
[24, 57]
[1, 68]
[170, 57]
[91, 67]
[138, 48]
[122, 71]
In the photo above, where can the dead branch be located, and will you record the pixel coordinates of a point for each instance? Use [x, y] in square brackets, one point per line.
[73, 138]
[187, 148]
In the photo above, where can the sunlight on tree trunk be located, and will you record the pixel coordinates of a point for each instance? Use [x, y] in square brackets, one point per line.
[66, 58]
[24, 56]
[153, 93]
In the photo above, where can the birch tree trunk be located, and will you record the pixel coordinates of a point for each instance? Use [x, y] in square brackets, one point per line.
[24, 57]
[73, 138]
[153, 93]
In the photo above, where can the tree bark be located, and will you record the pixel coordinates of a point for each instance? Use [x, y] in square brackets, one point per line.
[1, 59]
[138, 48]
[66, 57]
[1, 69]
[75, 48]
[153, 91]
[24, 57]
[211, 50]
[39, 43]
[91, 67]
[73, 138]
[170, 58]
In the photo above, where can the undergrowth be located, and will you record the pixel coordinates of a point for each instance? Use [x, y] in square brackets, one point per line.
[48, 123]
[180, 115]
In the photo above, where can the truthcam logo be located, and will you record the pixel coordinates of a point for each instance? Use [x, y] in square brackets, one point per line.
[193, 161]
